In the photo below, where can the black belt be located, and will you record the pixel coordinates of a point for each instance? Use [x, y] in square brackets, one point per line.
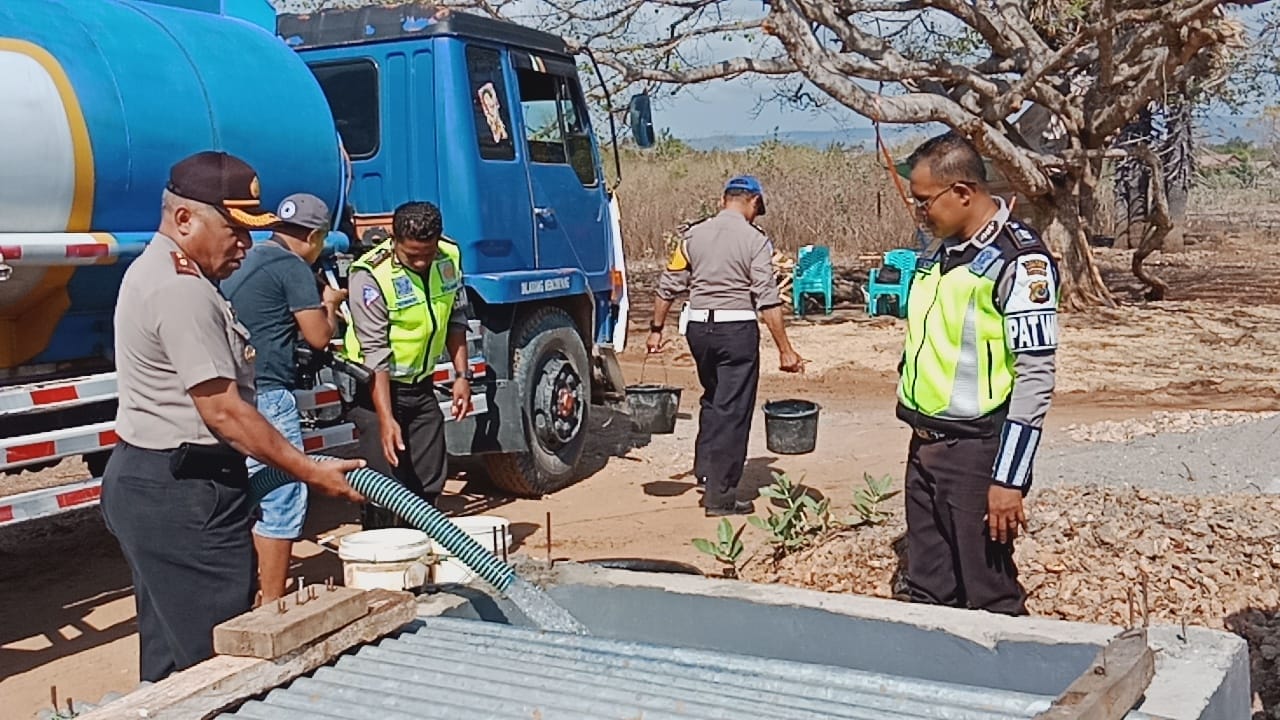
[930, 435]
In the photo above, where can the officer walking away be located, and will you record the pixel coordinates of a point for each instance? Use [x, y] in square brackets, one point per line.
[977, 376]
[274, 293]
[175, 489]
[408, 306]
[725, 264]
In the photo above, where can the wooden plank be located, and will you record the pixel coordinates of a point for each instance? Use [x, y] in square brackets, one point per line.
[267, 632]
[224, 681]
[1113, 683]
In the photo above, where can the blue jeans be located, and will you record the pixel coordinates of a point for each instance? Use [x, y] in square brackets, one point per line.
[284, 509]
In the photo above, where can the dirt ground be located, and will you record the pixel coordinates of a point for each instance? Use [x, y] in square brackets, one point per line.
[66, 609]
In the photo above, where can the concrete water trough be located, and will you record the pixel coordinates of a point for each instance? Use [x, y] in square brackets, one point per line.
[680, 646]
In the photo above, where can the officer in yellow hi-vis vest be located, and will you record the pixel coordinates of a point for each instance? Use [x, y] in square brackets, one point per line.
[407, 308]
[977, 378]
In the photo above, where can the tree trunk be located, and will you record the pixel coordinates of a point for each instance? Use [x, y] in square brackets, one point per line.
[1062, 225]
[1131, 185]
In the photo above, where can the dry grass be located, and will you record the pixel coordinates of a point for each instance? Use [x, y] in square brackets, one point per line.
[838, 198]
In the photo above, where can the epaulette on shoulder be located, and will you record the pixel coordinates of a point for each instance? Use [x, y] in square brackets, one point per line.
[183, 265]
[377, 256]
[688, 225]
[1022, 235]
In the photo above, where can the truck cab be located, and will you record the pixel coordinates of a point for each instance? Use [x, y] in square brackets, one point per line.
[488, 120]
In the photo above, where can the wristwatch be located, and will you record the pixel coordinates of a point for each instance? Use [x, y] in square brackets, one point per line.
[655, 328]
[467, 375]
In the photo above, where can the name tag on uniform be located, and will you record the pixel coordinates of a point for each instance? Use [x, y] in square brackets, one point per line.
[406, 296]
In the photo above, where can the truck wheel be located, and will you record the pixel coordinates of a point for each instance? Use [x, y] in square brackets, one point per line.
[549, 366]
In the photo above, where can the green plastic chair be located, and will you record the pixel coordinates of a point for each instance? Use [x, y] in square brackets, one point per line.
[812, 275]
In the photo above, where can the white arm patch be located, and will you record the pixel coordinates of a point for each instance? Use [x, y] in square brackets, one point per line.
[1031, 314]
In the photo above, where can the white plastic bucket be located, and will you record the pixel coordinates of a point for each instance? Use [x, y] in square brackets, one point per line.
[390, 558]
[450, 569]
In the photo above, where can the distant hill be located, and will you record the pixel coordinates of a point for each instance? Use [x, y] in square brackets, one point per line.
[863, 137]
[1212, 129]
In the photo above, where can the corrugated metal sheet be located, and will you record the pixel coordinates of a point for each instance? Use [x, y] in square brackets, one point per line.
[461, 669]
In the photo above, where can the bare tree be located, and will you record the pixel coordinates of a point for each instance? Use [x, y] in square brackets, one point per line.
[1042, 88]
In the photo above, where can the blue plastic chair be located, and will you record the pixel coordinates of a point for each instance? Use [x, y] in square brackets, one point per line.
[904, 261]
[812, 274]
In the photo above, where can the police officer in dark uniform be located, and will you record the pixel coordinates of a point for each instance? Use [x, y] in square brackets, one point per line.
[726, 265]
[175, 489]
[977, 379]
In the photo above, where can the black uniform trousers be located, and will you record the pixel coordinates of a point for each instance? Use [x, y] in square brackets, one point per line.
[951, 559]
[424, 462]
[728, 359]
[189, 548]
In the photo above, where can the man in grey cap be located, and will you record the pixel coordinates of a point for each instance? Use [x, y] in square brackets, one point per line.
[275, 295]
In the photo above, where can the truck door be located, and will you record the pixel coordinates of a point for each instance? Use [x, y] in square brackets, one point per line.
[570, 221]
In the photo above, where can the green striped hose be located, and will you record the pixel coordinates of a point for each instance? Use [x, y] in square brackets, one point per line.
[388, 493]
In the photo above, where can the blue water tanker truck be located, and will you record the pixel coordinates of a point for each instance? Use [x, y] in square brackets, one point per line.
[365, 108]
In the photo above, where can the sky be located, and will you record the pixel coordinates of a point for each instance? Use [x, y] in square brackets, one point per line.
[733, 107]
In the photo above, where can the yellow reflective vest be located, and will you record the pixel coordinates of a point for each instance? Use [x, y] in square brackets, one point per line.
[418, 311]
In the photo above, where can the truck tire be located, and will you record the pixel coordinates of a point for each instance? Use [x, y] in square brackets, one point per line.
[550, 367]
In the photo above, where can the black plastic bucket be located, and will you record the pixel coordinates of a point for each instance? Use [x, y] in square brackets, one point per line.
[653, 408]
[791, 426]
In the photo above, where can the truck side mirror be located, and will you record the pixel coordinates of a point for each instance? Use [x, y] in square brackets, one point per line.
[640, 118]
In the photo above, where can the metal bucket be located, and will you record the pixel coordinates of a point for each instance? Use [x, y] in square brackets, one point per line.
[653, 408]
[791, 426]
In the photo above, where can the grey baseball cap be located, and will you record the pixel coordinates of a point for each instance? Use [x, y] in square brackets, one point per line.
[304, 210]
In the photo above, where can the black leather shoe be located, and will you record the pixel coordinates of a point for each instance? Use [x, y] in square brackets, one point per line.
[700, 486]
[741, 507]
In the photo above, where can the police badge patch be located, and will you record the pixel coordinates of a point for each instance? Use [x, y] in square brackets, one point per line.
[369, 295]
[403, 287]
[1038, 291]
[984, 259]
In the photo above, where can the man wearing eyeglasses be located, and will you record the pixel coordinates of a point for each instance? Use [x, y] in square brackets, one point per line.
[977, 376]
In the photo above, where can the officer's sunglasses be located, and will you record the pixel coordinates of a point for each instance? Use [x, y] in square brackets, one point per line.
[922, 206]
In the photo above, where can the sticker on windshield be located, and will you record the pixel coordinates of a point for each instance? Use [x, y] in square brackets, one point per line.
[492, 112]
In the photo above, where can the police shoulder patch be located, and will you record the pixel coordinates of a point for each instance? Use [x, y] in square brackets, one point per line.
[1033, 287]
[984, 260]
[369, 295]
[678, 262]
